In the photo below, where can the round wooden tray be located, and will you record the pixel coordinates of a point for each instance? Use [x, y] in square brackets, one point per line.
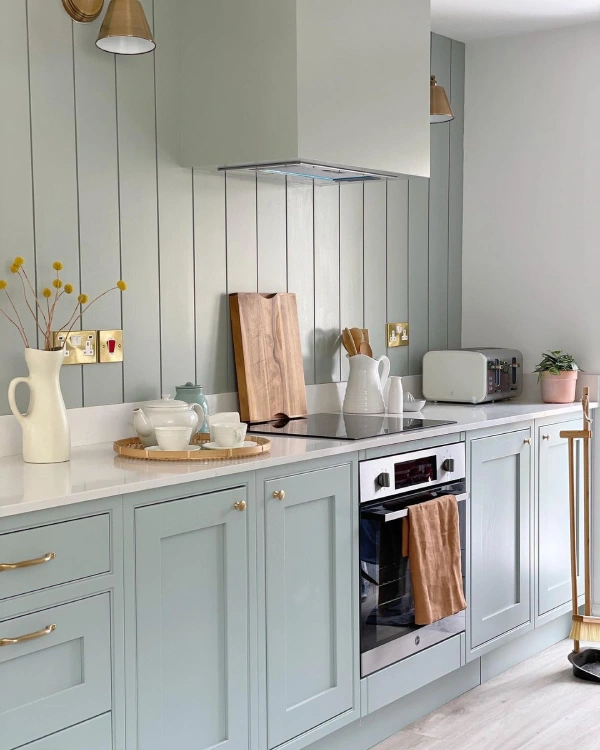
[134, 448]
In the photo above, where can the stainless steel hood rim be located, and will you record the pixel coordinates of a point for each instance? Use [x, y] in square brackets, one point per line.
[301, 169]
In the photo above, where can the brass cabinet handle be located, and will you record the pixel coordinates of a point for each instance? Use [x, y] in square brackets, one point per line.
[241, 505]
[527, 441]
[279, 494]
[28, 563]
[545, 437]
[29, 637]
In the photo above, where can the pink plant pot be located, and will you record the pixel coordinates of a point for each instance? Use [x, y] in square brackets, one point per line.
[559, 389]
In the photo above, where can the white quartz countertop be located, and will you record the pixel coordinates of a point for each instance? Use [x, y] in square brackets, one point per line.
[96, 472]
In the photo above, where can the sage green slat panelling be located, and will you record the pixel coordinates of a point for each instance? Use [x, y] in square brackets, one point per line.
[175, 212]
[441, 50]
[375, 263]
[397, 267]
[242, 252]
[54, 159]
[351, 261]
[271, 232]
[98, 178]
[455, 196]
[418, 242]
[139, 230]
[212, 311]
[300, 266]
[327, 284]
[16, 206]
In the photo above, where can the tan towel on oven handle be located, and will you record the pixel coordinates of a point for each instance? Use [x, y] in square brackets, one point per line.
[435, 559]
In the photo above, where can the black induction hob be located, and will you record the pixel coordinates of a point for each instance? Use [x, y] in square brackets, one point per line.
[344, 426]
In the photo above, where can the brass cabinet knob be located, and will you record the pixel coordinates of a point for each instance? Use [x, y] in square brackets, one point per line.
[527, 441]
[545, 437]
[279, 494]
[241, 505]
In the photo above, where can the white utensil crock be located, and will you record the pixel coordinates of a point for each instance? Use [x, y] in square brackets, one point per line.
[364, 391]
[395, 396]
[46, 434]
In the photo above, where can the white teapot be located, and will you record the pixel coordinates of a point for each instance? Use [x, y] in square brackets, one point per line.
[165, 413]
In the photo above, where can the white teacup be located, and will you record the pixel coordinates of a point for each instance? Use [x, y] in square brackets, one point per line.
[223, 417]
[173, 438]
[229, 435]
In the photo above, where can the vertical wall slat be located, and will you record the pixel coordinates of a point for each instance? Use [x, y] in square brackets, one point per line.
[212, 311]
[98, 179]
[455, 197]
[175, 211]
[375, 261]
[418, 242]
[55, 160]
[16, 201]
[351, 261]
[327, 283]
[271, 231]
[139, 230]
[441, 49]
[397, 267]
[300, 265]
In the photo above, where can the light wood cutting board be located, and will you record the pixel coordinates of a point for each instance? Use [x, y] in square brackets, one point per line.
[268, 356]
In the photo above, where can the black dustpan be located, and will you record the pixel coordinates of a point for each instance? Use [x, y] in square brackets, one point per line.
[586, 664]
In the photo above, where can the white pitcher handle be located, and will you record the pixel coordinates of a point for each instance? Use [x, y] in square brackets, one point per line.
[383, 374]
[11, 397]
[200, 412]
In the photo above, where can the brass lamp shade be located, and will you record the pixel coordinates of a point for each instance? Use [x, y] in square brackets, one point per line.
[125, 29]
[439, 106]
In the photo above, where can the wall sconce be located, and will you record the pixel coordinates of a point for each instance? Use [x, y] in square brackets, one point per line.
[439, 106]
[125, 29]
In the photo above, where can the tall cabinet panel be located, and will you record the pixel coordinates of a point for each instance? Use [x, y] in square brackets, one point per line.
[308, 601]
[500, 600]
[191, 632]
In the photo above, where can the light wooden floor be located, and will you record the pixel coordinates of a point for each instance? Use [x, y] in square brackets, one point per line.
[537, 705]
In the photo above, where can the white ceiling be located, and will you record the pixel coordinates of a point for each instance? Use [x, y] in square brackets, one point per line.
[468, 20]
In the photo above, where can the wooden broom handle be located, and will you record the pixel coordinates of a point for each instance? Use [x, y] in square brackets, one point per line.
[573, 524]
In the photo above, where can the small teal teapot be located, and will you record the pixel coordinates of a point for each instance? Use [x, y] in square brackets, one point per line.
[194, 394]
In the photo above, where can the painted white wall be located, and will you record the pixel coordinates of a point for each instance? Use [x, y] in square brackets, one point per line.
[531, 250]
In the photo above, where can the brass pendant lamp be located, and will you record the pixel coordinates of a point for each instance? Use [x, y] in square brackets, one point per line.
[439, 106]
[125, 29]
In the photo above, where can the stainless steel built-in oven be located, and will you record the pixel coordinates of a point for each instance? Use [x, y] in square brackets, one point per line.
[388, 487]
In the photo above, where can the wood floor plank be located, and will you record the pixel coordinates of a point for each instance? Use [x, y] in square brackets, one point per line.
[408, 741]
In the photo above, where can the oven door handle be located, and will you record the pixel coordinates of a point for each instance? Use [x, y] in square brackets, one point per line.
[396, 514]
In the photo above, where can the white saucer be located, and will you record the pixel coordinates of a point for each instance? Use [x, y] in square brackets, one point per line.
[162, 450]
[217, 447]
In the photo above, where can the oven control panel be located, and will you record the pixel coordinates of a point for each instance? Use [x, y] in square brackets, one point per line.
[407, 472]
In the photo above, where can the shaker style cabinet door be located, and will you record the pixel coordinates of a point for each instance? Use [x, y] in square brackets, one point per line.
[554, 547]
[191, 561]
[309, 601]
[500, 535]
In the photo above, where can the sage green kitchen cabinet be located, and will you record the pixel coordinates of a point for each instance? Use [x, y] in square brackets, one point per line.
[191, 623]
[309, 601]
[553, 537]
[501, 523]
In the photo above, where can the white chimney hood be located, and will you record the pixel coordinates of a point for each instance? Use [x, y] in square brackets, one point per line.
[336, 90]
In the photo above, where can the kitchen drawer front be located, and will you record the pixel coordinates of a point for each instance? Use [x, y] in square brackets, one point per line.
[391, 684]
[95, 734]
[81, 549]
[57, 680]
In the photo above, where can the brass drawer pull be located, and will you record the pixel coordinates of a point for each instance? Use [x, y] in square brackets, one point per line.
[241, 505]
[279, 494]
[28, 563]
[29, 637]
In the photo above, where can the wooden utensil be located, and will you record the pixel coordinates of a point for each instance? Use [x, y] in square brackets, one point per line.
[366, 344]
[348, 343]
[268, 356]
[357, 336]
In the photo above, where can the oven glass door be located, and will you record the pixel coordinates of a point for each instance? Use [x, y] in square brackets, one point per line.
[386, 600]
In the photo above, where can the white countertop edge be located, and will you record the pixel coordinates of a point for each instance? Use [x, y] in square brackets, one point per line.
[28, 480]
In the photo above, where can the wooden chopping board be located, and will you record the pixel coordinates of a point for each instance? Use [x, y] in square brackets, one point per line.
[268, 356]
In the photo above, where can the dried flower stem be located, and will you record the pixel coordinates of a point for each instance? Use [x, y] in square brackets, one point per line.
[35, 317]
[15, 325]
[21, 327]
[37, 302]
[71, 322]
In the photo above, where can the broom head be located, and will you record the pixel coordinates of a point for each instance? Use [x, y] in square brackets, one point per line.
[585, 629]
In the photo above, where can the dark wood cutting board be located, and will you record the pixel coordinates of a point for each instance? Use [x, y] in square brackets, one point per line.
[268, 356]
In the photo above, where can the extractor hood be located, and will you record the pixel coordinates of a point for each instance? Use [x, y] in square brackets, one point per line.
[330, 90]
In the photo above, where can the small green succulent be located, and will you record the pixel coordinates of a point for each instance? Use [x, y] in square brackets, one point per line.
[556, 362]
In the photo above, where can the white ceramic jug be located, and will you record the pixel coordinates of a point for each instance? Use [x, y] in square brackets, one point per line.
[364, 392]
[46, 434]
[395, 396]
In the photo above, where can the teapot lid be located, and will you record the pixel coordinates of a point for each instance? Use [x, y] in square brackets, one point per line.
[188, 386]
[166, 402]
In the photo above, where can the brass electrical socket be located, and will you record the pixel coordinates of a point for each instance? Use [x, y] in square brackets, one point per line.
[110, 346]
[80, 347]
[396, 334]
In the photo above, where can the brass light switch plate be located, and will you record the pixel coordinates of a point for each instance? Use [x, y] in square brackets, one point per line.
[80, 347]
[396, 334]
[110, 346]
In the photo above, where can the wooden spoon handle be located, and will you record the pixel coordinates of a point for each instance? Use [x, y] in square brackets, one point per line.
[348, 342]
[357, 335]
